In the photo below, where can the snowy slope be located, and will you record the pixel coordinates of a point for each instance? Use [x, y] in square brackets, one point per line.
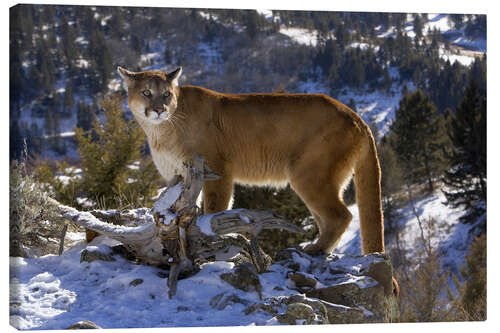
[451, 237]
[377, 106]
[54, 292]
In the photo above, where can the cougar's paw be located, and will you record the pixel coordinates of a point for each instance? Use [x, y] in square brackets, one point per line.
[312, 249]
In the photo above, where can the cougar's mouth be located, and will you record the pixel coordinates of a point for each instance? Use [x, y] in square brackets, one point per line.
[158, 114]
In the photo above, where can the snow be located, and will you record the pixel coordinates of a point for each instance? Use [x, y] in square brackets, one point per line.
[207, 16]
[169, 198]
[478, 44]
[148, 58]
[450, 235]
[301, 35]
[54, 292]
[81, 40]
[267, 13]
[374, 106]
[465, 60]
[203, 222]
[364, 46]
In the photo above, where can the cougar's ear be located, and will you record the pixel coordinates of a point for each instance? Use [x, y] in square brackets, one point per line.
[174, 76]
[126, 75]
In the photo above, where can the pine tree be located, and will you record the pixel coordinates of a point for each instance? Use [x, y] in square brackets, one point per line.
[117, 26]
[167, 55]
[467, 131]
[68, 38]
[417, 137]
[417, 26]
[85, 116]
[105, 156]
[102, 61]
[69, 101]
[15, 141]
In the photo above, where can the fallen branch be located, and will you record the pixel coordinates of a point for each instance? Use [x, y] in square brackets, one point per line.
[173, 232]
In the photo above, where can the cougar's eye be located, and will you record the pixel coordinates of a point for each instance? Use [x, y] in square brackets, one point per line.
[166, 94]
[146, 93]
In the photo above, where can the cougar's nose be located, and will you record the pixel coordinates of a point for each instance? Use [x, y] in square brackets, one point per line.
[159, 110]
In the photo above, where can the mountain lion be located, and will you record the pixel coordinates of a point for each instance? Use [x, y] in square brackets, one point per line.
[310, 141]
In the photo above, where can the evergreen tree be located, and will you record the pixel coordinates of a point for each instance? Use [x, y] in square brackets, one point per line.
[251, 21]
[15, 141]
[457, 20]
[392, 180]
[85, 116]
[105, 156]
[69, 101]
[387, 80]
[68, 38]
[45, 67]
[417, 26]
[117, 26]
[102, 60]
[167, 55]
[418, 137]
[33, 139]
[467, 131]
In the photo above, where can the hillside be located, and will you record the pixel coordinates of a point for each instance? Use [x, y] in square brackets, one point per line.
[234, 51]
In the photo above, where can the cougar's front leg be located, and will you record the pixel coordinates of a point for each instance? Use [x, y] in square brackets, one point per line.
[217, 194]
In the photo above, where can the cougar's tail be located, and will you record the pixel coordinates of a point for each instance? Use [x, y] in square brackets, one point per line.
[369, 197]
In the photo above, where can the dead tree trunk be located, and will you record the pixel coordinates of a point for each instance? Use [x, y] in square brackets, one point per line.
[175, 233]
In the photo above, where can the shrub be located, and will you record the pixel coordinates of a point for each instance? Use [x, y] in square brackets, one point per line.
[114, 172]
[470, 304]
[34, 221]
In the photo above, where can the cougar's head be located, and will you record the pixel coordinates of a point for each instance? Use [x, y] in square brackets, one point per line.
[152, 95]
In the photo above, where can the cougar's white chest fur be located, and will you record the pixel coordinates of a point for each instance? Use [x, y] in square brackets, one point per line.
[168, 164]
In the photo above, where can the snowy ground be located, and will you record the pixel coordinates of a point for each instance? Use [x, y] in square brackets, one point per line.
[53, 292]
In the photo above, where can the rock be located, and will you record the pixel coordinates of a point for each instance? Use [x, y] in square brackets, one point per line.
[301, 280]
[382, 272]
[220, 302]
[318, 306]
[297, 313]
[85, 324]
[136, 282]
[260, 306]
[94, 255]
[371, 298]
[216, 299]
[339, 314]
[243, 277]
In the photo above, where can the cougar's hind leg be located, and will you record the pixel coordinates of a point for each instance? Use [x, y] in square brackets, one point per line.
[331, 216]
[320, 191]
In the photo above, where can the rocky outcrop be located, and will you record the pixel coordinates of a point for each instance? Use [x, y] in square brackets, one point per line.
[335, 289]
[303, 289]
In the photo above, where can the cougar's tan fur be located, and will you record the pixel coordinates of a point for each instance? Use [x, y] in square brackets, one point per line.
[310, 141]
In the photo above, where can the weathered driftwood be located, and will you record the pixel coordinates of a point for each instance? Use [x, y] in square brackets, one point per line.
[173, 232]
